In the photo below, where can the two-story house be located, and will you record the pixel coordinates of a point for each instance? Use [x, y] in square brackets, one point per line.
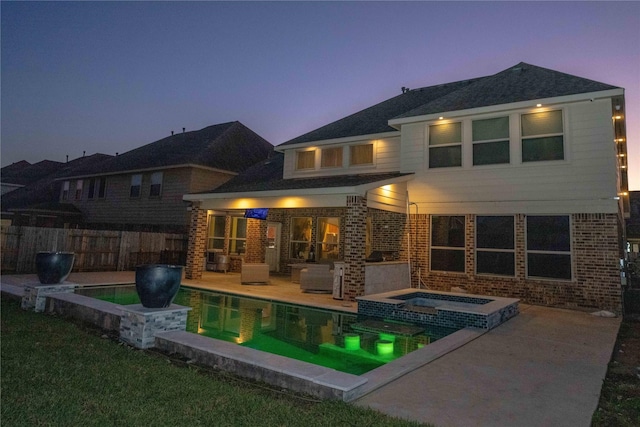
[514, 184]
[142, 189]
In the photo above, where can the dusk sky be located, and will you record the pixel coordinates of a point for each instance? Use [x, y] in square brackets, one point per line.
[107, 77]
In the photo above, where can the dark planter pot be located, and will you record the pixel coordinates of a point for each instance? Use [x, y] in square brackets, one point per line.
[54, 267]
[158, 284]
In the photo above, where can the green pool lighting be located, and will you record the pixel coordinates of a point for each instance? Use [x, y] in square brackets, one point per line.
[384, 347]
[352, 341]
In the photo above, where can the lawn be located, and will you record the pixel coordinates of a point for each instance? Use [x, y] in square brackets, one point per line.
[56, 372]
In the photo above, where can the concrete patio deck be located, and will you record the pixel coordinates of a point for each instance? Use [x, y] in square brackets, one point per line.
[544, 367]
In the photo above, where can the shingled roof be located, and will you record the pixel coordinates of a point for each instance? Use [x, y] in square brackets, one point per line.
[228, 146]
[522, 82]
[267, 176]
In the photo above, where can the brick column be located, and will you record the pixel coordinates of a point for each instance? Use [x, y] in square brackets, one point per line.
[197, 242]
[256, 241]
[354, 246]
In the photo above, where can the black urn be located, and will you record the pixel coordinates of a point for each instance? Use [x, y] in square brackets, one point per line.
[54, 267]
[157, 284]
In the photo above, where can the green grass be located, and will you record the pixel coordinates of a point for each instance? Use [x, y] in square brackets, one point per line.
[55, 372]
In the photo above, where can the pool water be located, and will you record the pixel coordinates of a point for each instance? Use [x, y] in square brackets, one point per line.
[342, 341]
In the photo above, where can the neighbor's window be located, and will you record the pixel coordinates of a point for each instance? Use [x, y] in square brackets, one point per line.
[79, 184]
[331, 157]
[65, 190]
[447, 243]
[300, 237]
[238, 236]
[490, 141]
[96, 188]
[136, 183]
[495, 245]
[156, 184]
[215, 234]
[549, 247]
[305, 160]
[542, 136]
[361, 154]
[445, 145]
[328, 238]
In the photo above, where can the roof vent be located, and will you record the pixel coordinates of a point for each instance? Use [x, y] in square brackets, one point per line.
[183, 130]
[405, 89]
[516, 70]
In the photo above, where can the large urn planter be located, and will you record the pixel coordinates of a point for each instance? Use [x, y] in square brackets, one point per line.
[157, 284]
[54, 267]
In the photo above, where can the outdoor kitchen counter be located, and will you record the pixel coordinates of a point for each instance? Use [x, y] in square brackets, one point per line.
[386, 276]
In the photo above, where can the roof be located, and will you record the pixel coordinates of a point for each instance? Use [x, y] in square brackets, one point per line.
[228, 146]
[522, 82]
[267, 176]
[45, 190]
[24, 173]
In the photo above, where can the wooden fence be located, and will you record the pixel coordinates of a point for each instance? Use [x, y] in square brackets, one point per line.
[96, 250]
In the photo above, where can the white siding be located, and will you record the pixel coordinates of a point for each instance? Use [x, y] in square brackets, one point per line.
[389, 198]
[584, 182]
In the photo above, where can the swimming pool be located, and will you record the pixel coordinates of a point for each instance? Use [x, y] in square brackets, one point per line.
[341, 341]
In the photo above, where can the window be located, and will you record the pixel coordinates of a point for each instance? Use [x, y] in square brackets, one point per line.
[328, 238]
[305, 160]
[447, 243]
[445, 145]
[495, 245]
[238, 236]
[156, 184]
[136, 183]
[300, 237]
[331, 157]
[215, 234]
[549, 247]
[79, 184]
[361, 154]
[65, 190]
[96, 188]
[542, 137]
[490, 141]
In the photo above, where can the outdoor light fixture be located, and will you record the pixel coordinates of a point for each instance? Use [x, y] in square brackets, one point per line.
[384, 347]
[538, 105]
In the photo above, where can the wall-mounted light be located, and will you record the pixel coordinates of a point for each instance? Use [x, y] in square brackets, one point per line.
[440, 118]
[538, 105]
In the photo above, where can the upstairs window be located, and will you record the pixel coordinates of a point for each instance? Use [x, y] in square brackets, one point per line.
[79, 184]
[65, 190]
[136, 184]
[542, 136]
[156, 184]
[361, 154]
[445, 145]
[447, 243]
[331, 157]
[495, 245]
[97, 188]
[305, 160]
[490, 141]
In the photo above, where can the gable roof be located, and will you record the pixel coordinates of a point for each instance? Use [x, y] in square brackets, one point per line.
[228, 146]
[522, 82]
[24, 173]
[267, 176]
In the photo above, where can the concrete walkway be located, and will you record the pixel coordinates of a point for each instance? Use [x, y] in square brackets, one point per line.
[544, 367]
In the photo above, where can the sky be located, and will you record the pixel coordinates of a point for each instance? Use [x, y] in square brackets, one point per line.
[108, 77]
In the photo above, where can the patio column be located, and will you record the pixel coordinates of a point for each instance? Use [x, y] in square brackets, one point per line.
[197, 242]
[354, 250]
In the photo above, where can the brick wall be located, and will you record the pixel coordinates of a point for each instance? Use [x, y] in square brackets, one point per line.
[256, 241]
[595, 257]
[354, 231]
[197, 242]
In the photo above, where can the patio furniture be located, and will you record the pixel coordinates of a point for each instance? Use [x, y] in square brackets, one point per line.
[295, 271]
[254, 273]
[316, 278]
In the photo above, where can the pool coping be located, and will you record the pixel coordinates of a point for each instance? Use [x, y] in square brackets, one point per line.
[281, 371]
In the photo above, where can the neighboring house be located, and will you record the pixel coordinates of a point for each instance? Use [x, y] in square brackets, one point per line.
[514, 184]
[142, 189]
[35, 203]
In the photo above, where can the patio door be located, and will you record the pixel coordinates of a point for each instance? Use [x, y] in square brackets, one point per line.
[272, 251]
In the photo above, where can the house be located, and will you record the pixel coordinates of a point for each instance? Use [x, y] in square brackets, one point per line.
[513, 184]
[33, 200]
[142, 189]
